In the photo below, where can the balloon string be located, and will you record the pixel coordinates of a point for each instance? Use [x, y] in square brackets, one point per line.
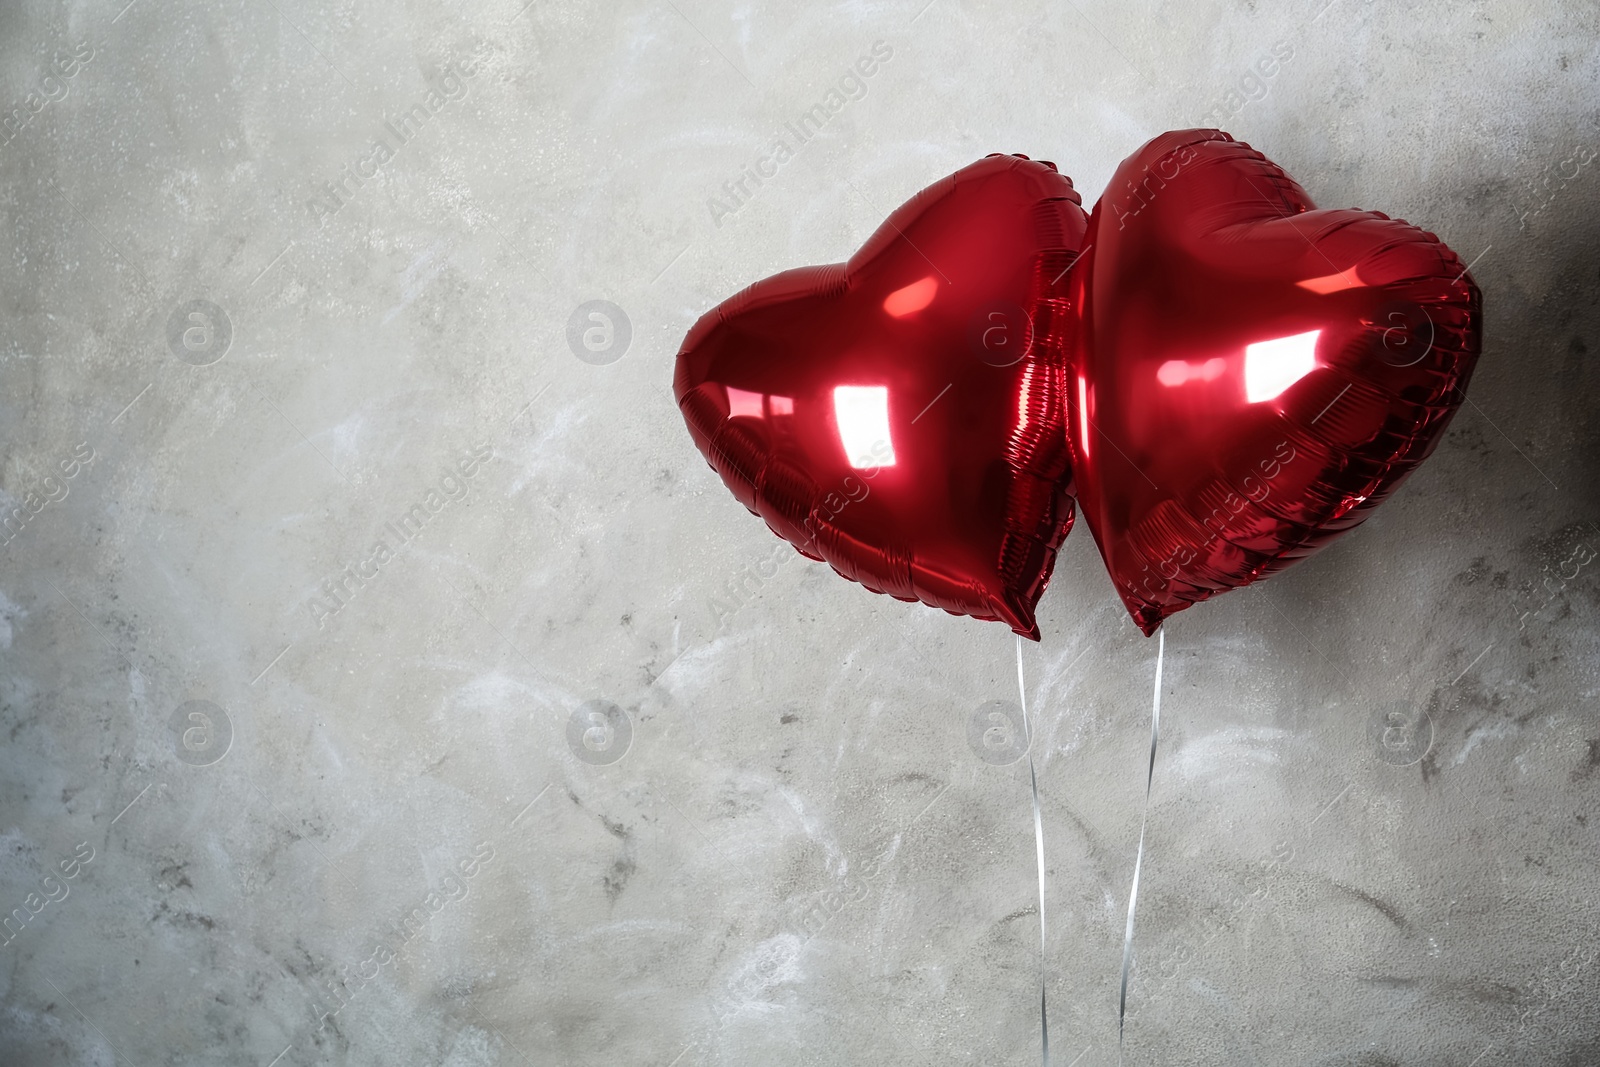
[1138, 863]
[1038, 841]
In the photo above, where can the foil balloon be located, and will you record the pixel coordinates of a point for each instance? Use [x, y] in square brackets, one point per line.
[902, 416]
[1251, 376]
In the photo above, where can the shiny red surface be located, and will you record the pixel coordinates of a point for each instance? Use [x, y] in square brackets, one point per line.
[966, 498]
[1215, 442]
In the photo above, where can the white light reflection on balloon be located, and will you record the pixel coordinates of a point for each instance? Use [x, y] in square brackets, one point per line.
[862, 412]
[1272, 366]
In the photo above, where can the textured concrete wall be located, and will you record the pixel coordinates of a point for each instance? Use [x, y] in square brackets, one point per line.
[582, 766]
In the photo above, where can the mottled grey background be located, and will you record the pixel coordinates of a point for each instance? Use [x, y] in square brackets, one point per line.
[589, 769]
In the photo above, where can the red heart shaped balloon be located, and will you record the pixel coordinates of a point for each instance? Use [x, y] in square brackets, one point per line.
[1251, 376]
[902, 415]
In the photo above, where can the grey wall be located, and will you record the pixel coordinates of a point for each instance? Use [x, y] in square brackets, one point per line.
[798, 857]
